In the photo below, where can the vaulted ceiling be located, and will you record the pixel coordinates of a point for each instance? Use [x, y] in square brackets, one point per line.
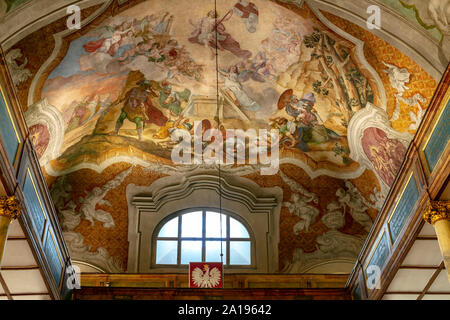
[367, 91]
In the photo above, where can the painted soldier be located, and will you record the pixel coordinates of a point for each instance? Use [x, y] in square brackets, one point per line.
[139, 109]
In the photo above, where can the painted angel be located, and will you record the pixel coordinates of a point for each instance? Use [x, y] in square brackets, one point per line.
[111, 39]
[357, 204]
[299, 204]
[94, 197]
[208, 28]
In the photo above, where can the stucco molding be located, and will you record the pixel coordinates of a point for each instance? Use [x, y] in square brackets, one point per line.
[395, 29]
[163, 193]
[258, 207]
[59, 39]
[371, 116]
[34, 15]
[44, 113]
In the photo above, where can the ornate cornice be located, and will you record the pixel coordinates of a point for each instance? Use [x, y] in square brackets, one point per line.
[9, 207]
[242, 192]
[437, 210]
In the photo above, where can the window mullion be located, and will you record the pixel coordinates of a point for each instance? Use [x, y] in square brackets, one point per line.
[179, 241]
[227, 255]
[203, 235]
[224, 239]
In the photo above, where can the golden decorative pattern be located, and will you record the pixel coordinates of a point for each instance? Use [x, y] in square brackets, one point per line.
[437, 210]
[377, 50]
[9, 207]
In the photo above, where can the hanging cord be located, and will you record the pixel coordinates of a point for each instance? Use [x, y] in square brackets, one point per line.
[218, 126]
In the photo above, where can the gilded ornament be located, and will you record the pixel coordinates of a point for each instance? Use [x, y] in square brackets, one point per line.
[9, 207]
[437, 210]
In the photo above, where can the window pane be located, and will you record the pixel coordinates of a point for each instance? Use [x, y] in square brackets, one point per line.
[240, 252]
[213, 225]
[170, 229]
[237, 229]
[191, 251]
[213, 251]
[191, 224]
[166, 252]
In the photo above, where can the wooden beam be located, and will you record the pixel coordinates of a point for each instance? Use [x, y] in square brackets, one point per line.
[428, 187]
[18, 268]
[430, 282]
[114, 293]
[5, 287]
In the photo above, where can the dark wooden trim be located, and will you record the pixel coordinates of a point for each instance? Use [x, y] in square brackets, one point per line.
[235, 280]
[112, 293]
[13, 268]
[13, 98]
[13, 179]
[402, 292]
[34, 240]
[428, 188]
[419, 267]
[418, 292]
[426, 238]
[31, 294]
[431, 281]
[16, 238]
[5, 287]
[438, 292]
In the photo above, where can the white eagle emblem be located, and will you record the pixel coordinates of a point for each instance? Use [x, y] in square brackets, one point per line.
[209, 278]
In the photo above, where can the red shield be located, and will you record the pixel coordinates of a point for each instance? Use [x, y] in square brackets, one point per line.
[205, 275]
[285, 98]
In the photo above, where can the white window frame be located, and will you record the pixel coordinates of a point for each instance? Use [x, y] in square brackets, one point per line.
[259, 208]
[227, 239]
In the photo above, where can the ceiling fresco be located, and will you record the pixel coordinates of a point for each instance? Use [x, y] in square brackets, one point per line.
[101, 67]
[430, 15]
[9, 5]
[417, 12]
[106, 100]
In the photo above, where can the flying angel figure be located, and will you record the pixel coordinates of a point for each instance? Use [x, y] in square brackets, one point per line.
[299, 205]
[210, 278]
[94, 197]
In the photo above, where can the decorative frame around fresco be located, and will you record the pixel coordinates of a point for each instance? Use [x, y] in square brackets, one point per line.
[27, 171]
[58, 252]
[443, 107]
[411, 178]
[39, 233]
[15, 157]
[360, 285]
[369, 260]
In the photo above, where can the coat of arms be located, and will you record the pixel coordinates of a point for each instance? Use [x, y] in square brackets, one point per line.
[205, 275]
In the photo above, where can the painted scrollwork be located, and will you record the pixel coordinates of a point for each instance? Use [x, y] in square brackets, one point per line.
[384, 143]
[44, 119]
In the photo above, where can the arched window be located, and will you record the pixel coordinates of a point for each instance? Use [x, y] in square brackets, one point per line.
[201, 235]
